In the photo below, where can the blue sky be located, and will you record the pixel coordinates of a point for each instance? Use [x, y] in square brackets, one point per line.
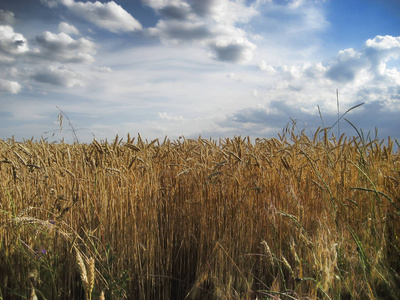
[215, 68]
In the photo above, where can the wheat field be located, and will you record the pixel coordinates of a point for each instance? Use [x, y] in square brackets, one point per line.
[293, 217]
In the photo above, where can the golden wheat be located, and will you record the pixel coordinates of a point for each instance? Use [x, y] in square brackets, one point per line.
[200, 218]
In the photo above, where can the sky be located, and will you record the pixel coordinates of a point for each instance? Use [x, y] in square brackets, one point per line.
[209, 68]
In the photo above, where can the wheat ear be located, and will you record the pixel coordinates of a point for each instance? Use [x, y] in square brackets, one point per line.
[91, 275]
[82, 268]
[33, 294]
[269, 253]
[102, 297]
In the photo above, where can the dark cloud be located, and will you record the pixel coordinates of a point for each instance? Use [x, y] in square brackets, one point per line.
[181, 31]
[365, 118]
[63, 48]
[276, 113]
[58, 76]
[256, 116]
[180, 11]
[347, 65]
[205, 7]
[235, 50]
[342, 72]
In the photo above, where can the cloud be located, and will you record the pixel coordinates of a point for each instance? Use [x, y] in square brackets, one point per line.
[166, 116]
[109, 15]
[347, 65]
[67, 28]
[294, 91]
[293, 19]
[176, 31]
[232, 50]
[255, 121]
[7, 86]
[208, 24]
[103, 69]
[170, 9]
[263, 66]
[6, 17]
[224, 11]
[50, 3]
[257, 116]
[233, 77]
[371, 60]
[12, 44]
[207, 7]
[58, 76]
[177, 10]
[385, 43]
[62, 48]
[59, 48]
[287, 34]
[380, 50]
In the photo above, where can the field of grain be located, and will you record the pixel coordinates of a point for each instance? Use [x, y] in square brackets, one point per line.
[291, 218]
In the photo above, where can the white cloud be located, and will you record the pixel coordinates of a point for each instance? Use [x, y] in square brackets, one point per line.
[67, 28]
[233, 77]
[108, 15]
[11, 87]
[11, 44]
[63, 48]
[295, 4]
[6, 17]
[384, 43]
[103, 69]
[316, 71]
[58, 75]
[168, 117]
[263, 66]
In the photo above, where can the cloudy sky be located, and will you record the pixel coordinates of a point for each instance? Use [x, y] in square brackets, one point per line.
[215, 68]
